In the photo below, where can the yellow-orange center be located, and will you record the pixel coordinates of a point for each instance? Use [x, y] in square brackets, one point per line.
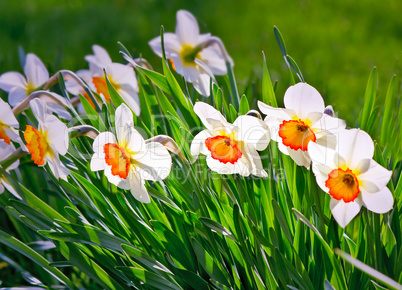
[296, 134]
[343, 184]
[117, 157]
[3, 134]
[223, 148]
[101, 86]
[37, 144]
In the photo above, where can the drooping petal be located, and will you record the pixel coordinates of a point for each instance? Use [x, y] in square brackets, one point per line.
[379, 202]
[239, 167]
[137, 187]
[208, 115]
[301, 157]
[171, 43]
[154, 163]
[303, 99]
[6, 115]
[35, 71]
[10, 189]
[11, 80]
[123, 116]
[190, 72]
[202, 84]
[343, 212]
[214, 60]
[187, 29]
[57, 134]
[355, 145]
[5, 151]
[198, 143]
[59, 110]
[130, 96]
[375, 178]
[255, 161]
[16, 95]
[57, 167]
[39, 109]
[252, 131]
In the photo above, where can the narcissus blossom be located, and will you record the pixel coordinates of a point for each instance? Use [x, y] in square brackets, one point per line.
[46, 142]
[127, 159]
[351, 177]
[230, 148]
[8, 124]
[190, 52]
[17, 86]
[121, 77]
[301, 122]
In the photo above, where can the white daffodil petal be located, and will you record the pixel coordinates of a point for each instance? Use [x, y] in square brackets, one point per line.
[301, 158]
[198, 143]
[171, 43]
[190, 72]
[123, 116]
[102, 139]
[187, 29]
[39, 109]
[255, 161]
[6, 115]
[57, 134]
[10, 189]
[321, 154]
[228, 168]
[35, 70]
[11, 80]
[278, 113]
[355, 145]
[343, 212]
[134, 140]
[379, 202]
[154, 163]
[331, 124]
[59, 110]
[121, 74]
[202, 84]
[137, 187]
[303, 99]
[214, 60]
[16, 95]
[57, 167]
[113, 179]
[253, 131]
[130, 96]
[375, 177]
[1, 188]
[101, 54]
[321, 172]
[98, 162]
[207, 113]
[6, 150]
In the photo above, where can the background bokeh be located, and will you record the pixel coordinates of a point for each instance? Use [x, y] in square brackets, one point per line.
[335, 43]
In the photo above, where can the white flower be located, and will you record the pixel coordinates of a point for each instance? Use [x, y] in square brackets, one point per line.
[5, 151]
[230, 148]
[351, 176]
[8, 124]
[127, 160]
[15, 84]
[48, 141]
[188, 56]
[301, 122]
[121, 77]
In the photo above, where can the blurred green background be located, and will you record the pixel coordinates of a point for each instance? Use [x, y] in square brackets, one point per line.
[335, 43]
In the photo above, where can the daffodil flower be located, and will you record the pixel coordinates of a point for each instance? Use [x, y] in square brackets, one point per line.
[17, 86]
[8, 124]
[351, 177]
[301, 122]
[47, 141]
[191, 53]
[127, 160]
[5, 151]
[230, 148]
[121, 77]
